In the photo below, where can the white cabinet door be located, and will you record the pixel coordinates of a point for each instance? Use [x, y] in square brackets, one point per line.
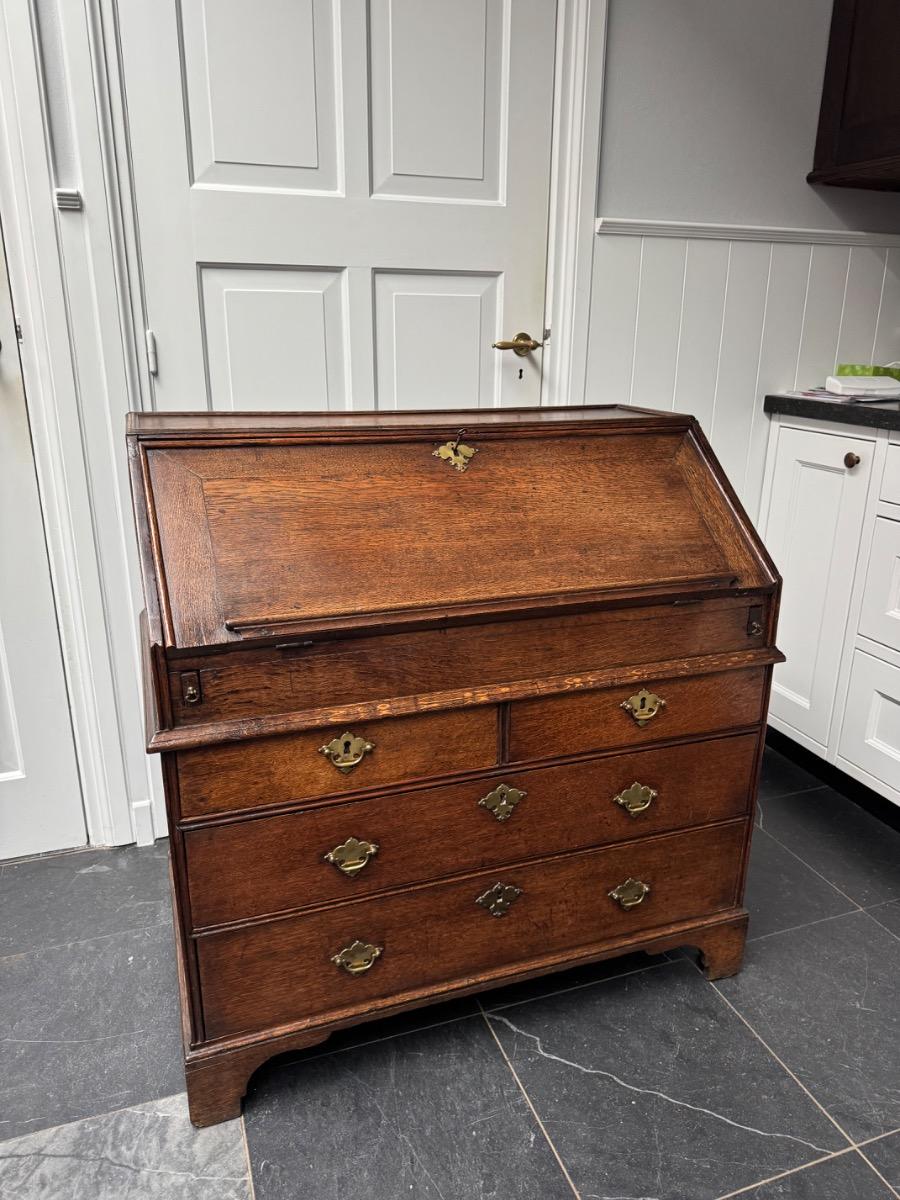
[40, 794]
[812, 530]
[870, 736]
[880, 615]
[341, 204]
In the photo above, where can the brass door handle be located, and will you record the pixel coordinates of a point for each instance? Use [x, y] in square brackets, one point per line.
[630, 893]
[346, 751]
[635, 799]
[357, 958]
[521, 344]
[351, 856]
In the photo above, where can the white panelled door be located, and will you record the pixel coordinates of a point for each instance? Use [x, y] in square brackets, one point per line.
[40, 793]
[340, 203]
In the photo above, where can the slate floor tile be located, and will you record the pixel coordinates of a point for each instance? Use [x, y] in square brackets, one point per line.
[781, 777]
[783, 893]
[825, 999]
[649, 1086]
[70, 897]
[434, 1115]
[887, 915]
[147, 1152]
[852, 849]
[885, 1155]
[844, 1178]
[87, 1028]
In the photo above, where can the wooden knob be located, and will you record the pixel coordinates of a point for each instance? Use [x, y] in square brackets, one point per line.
[851, 460]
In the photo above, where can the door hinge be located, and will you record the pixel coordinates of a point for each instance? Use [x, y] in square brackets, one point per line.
[152, 359]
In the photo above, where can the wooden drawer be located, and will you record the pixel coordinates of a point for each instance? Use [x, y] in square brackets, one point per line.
[253, 774]
[268, 865]
[597, 721]
[281, 972]
[311, 673]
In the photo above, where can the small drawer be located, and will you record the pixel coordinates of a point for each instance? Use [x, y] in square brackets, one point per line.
[880, 615]
[870, 735]
[273, 864]
[328, 762]
[643, 712]
[890, 481]
[409, 944]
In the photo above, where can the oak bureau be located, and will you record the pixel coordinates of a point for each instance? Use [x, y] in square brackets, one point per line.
[443, 700]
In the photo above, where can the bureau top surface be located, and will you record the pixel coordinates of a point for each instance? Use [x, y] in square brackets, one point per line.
[263, 525]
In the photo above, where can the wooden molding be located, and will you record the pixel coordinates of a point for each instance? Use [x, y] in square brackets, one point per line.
[638, 227]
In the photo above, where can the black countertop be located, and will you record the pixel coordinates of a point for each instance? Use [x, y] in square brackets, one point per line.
[878, 414]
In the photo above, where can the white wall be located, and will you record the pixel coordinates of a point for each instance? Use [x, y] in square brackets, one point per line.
[710, 112]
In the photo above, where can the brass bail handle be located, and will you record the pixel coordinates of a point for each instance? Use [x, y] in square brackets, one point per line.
[521, 344]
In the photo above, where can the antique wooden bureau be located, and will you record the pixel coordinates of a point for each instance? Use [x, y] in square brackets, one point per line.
[441, 707]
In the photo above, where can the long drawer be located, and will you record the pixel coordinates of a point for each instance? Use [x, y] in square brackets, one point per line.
[633, 716]
[256, 867]
[275, 770]
[317, 672]
[411, 943]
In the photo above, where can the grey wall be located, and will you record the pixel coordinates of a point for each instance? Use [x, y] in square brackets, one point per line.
[710, 114]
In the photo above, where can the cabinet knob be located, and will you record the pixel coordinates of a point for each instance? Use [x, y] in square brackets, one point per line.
[851, 460]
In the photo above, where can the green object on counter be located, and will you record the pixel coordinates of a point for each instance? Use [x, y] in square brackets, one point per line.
[860, 369]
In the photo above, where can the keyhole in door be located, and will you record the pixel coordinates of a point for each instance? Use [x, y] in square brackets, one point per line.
[521, 372]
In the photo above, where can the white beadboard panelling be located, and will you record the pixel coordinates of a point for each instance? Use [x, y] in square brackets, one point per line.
[703, 307]
[710, 324]
[887, 335]
[859, 316]
[828, 272]
[745, 306]
[785, 302]
[615, 277]
[659, 319]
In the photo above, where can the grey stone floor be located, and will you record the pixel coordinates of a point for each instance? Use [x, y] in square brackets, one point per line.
[633, 1080]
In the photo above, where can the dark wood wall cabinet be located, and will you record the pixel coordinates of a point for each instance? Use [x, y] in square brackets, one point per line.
[440, 709]
[858, 143]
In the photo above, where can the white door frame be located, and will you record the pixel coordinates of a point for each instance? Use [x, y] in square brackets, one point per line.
[76, 282]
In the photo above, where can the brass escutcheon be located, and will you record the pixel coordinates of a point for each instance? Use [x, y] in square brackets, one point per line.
[357, 958]
[455, 453]
[635, 799]
[501, 801]
[630, 893]
[351, 856]
[346, 751]
[643, 706]
[498, 899]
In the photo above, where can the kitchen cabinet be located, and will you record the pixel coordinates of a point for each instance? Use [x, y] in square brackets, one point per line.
[858, 142]
[830, 516]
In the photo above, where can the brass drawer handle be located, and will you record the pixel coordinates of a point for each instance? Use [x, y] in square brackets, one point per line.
[346, 751]
[630, 893]
[501, 801]
[357, 958]
[636, 799]
[643, 706]
[351, 856]
[498, 899]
